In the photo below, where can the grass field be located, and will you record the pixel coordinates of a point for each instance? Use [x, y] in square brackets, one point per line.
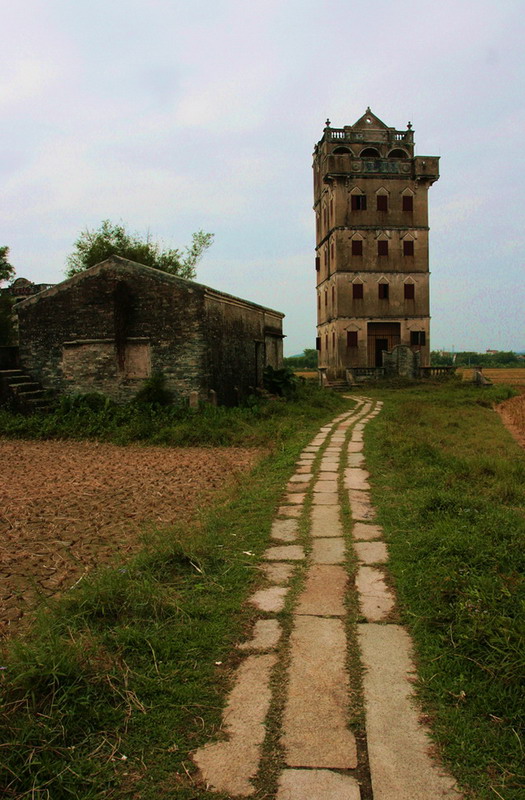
[126, 675]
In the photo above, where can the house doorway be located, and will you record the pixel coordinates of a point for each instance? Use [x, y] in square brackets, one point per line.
[381, 336]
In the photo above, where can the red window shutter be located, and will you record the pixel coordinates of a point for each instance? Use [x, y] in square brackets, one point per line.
[408, 247]
[358, 202]
[351, 338]
[408, 202]
[357, 291]
[357, 247]
[382, 202]
[409, 291]
[382, 247]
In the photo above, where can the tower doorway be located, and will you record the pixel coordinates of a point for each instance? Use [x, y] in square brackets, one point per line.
[381, 336]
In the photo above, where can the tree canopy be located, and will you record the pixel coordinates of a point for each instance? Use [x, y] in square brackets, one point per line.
[7, 271]
[110, 239]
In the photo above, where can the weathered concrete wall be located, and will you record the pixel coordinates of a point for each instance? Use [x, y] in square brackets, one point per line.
[107, 330]
[239, 344]
[111, 327]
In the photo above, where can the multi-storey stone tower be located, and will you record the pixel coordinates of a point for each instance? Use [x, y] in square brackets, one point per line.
[370, 201]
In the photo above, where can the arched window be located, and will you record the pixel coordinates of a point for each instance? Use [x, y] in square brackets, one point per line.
[397, 153]
[339, 151]
[370, 152]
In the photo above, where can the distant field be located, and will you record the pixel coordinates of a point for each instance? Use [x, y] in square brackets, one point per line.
[514, 376]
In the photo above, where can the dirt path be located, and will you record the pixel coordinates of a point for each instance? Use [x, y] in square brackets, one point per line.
[301, 681]
[66, 507]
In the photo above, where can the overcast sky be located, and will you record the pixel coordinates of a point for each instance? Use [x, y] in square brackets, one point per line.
[177, 115]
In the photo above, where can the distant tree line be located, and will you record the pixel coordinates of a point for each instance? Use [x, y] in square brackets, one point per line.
[308, 360]
[469, 359]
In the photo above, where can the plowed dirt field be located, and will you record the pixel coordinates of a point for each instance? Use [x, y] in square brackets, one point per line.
[66, 507]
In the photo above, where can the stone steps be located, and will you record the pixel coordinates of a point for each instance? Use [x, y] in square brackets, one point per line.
[22, 392]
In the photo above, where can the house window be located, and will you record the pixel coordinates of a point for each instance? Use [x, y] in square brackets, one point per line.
[318, 343]
[317, 263]
[408, 247]
[351, 338]
[418, 338]
[333, 341]
[382, 202]
[357, 291]
[357, 247]
[333, 295]
[408, 202]
[383, 291]
[382, 247]
[409, 291]
[358, 202]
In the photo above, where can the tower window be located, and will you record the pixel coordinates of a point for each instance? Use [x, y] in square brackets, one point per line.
[317, 263]
[318, 343]
[418, 338]
[408, 247]
[382, 202]
[382, 291]
[333, 295]
[382, 247]
[357, 291]
[408, 202]
[409, 291]
[358, 202]
[333, 340]
[357, 247]
[351, 338]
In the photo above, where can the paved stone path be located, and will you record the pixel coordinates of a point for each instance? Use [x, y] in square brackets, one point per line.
[319, 757]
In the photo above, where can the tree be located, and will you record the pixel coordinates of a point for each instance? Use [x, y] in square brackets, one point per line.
[110, 239]
[7, 271]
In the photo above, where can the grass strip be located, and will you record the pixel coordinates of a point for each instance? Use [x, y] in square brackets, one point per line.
[449, 485]
[123, 677]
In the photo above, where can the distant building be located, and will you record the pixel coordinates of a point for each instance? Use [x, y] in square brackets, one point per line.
[22, 287]
[109, 328]
[371, 207]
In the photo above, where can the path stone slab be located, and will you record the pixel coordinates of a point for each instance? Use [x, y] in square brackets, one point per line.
[284, 529]
[316, 784]
[324, 591]
[228, 766]
[300, 478]
[398, 745]
[355, 447]
[360, 506]
[328, 551]
[329, 464]
[295, 499]
[303, 470]
[325, 521]
[325, 498]
[277, 572]
[311, 448]
[296, 487]
[289, 552]
[266, 635]
[315, 732]
[328, 474]
[367, 531]
[355, 459]
[271, 599]
[376, 600]
[356, 478]
[371, 552]
[325, 486]
[289, 511]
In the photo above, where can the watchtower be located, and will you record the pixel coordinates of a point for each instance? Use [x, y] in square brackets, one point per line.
[371, 207]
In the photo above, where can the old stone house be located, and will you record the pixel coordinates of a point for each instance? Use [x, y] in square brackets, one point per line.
[111, 327]
[372, 266]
